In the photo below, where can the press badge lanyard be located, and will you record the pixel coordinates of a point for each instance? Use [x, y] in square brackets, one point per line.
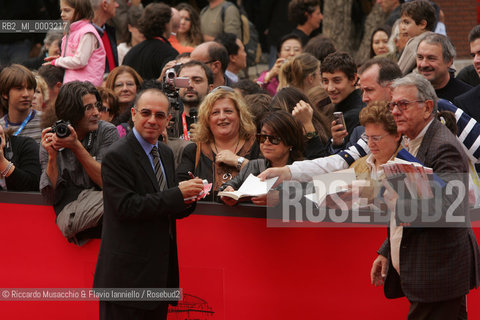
[22, 126]
[186, 136]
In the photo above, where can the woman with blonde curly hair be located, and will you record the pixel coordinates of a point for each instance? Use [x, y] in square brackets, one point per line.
[225, 139]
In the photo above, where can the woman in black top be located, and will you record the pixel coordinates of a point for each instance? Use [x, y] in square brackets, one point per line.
[281, 143]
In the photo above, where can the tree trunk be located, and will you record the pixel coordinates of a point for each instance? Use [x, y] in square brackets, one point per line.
[375, 19]
[337, 23]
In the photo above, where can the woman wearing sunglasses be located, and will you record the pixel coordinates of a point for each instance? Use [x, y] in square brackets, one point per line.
[281, 143]
[225, 139]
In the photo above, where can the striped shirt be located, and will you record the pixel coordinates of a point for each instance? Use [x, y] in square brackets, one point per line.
[32, 129]
[468, 135]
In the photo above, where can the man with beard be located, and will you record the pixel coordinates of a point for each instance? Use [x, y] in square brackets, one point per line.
[201, 82]
[435, 54]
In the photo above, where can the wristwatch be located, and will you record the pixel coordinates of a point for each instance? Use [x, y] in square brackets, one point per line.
[240, 161]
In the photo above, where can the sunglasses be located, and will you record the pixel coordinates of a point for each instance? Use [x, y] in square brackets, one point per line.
[261, 138]
[146, 113]
[226, 88]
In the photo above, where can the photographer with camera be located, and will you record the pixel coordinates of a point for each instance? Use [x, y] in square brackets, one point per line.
[19, 164]
[201, 83]
[194, 82]
[70, 155]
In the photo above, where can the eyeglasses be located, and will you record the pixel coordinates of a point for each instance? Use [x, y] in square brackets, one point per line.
[147, 113]
[373, 138]
[261, 138]
[104, 109]
[402, 104]
[90, 106]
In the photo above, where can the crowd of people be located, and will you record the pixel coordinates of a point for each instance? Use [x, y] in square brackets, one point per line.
[90, 121]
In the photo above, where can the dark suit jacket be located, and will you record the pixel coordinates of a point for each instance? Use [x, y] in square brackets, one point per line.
[136, 249]
[470, 102]
[436, 263]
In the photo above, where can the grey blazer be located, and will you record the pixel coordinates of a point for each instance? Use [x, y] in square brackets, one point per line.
[437, 263]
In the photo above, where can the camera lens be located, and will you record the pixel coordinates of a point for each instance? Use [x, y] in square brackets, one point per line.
[61, 129]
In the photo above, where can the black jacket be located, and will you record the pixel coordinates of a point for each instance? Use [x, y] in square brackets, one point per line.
[453, 89]
[470, 102]
[351, 107]
[24, 152]
[137, 248]
[149, 57]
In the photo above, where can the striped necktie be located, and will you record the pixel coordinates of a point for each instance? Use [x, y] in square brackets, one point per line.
[158, 169]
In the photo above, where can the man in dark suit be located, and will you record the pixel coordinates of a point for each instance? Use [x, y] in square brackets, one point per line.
[469, 101]
[433, 263]
[142, 201]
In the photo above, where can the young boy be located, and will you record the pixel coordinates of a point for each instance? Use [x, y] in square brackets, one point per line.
[17, 85]
[339, 76]
[417, 19]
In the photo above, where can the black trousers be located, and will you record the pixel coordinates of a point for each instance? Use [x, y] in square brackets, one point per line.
[112, 311]
[455, 309]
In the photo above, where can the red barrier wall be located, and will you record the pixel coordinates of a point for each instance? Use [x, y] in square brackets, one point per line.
[239, 268]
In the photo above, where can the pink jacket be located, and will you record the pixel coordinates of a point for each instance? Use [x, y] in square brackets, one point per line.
[93, 71]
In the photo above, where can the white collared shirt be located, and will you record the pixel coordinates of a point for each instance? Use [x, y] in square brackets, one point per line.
[375, 174]
[396, 232]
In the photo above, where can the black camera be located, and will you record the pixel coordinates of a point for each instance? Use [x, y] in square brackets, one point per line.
[60, 128]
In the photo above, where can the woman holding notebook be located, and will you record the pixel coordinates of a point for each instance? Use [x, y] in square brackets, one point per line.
[281, 143]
